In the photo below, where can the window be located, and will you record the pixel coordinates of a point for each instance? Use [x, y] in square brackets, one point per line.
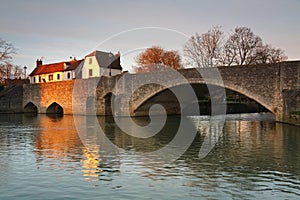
[68, 75]
[90, 61]
[58, 76]
[40, 79]
[34, 79]
[50, 77]
[90, 72]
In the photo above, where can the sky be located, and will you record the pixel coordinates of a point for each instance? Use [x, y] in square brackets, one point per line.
[55, 30]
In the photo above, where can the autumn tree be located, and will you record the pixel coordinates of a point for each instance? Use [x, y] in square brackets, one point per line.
[204, 50]
[156, 58]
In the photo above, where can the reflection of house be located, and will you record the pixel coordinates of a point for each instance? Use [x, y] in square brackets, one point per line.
[99, 63]
[54, 71]
[91, 162]
[57, 143]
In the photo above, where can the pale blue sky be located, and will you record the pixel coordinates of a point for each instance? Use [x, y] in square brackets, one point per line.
[58, 29]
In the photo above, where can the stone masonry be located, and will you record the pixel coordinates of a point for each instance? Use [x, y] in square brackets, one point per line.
[272, 85]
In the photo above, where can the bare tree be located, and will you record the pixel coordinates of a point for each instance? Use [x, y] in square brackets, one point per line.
[156, 58]
[269, 54]
[7, 50]
[18, 71]
[204, 50]
[5, 71]
[9, 71]
[241, 47]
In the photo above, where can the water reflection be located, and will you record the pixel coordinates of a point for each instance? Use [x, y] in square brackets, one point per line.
[57, 144]
[57, 139]
[96, 143]
[255, 144]
[91, 163]
[254, 153]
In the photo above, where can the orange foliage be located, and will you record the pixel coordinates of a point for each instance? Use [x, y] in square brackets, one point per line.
[156, 58]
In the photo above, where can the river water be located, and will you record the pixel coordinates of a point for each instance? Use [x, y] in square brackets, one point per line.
[44, 157]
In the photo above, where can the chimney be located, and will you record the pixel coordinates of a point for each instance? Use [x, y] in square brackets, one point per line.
[39, 62]
[73, 58]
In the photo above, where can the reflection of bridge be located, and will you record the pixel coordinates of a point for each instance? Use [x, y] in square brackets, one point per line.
[276, 87]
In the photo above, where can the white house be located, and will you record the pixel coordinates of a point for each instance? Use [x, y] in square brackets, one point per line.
[99, 63]
[54, 71]
[95, 64]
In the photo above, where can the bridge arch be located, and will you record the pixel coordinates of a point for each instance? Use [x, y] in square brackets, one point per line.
[156, 90]
[55, 108]
[30, 108]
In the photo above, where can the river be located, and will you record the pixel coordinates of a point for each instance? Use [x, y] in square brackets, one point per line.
[45, 157]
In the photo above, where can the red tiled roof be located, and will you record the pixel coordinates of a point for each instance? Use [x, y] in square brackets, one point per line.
[54, 67]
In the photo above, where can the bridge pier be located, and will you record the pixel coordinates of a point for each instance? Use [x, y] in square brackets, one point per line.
[290, 105]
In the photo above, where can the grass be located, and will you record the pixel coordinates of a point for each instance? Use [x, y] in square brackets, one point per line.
[296, 113]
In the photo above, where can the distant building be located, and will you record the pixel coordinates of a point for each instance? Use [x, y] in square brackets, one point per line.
[54, 71]
[99, 63]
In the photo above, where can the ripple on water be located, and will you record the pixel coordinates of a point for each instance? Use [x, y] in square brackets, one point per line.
[253, 159]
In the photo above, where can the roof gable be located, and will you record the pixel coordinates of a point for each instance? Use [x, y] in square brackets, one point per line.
[73, 65]
[106, 60]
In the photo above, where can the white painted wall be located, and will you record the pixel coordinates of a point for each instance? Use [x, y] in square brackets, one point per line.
[65, 75]
[46, 78]
[93, 66]
[97, 71]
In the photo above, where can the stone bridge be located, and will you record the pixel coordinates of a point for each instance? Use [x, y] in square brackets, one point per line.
[274, 86]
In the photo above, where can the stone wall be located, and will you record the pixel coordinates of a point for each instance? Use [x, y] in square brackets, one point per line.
[263, 83]
[275, 86]
[291, 104]
[81, 96]
[42, 95]
[260, 83]
[11, 99]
